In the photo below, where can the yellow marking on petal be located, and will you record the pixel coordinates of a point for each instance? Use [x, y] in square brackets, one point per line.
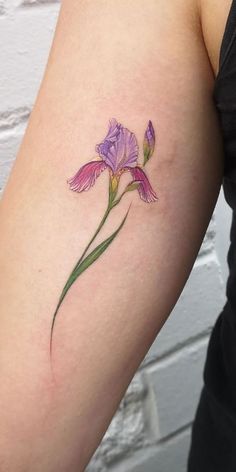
[114, 183]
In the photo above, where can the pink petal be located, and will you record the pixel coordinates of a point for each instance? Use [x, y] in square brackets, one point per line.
[145, 189]
[85, 178]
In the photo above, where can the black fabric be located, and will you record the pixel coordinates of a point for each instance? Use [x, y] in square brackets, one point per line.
[213, 438]
[213, 442]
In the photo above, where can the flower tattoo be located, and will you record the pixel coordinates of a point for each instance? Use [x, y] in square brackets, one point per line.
[117, 153]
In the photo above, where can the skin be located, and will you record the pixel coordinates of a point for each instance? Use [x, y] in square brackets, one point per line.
[102, 64]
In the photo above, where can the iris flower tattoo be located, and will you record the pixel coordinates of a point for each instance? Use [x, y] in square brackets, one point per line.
[117, 153]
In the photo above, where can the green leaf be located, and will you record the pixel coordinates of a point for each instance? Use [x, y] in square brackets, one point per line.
[87, 262]
[132, 186]
[146, 154]
[95, 254]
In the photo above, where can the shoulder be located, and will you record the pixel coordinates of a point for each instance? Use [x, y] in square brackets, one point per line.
[213, 17]
[204, 19]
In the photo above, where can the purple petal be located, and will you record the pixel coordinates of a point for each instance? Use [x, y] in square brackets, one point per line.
[126, 149]
[119, 148]
[113, 131]
[85, 178]
[124, 152]
[111, 137]
[145, 189]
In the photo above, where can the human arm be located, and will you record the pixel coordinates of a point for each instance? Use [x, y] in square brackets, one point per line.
[134, 61]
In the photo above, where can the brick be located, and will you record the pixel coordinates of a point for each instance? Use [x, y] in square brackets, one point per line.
[176, 384]
[25, 44]
[9, 145]
[2, 7]
[96, 465]
[196, 311]
[37, 2]
[170, 456]
[11, 118]
[208, 243]
[223, 222]
[127, 429]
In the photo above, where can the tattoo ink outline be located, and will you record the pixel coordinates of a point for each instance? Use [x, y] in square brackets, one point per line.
[118, 153]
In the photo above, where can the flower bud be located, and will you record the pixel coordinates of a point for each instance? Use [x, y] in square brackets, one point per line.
[148, 143]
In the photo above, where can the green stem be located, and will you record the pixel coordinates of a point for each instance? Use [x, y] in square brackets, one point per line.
[95, 235]
[67, 285]
[112, 202]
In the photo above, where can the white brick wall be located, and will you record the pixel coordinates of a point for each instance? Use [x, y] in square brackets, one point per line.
[151, 429]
